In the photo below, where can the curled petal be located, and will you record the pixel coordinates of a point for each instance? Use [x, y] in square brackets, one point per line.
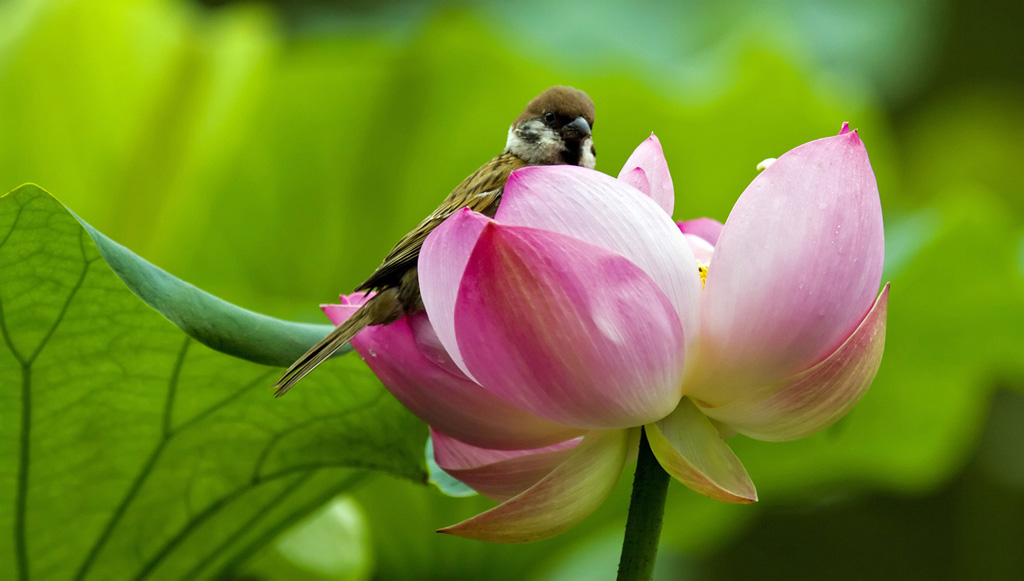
[560, 500]
[654, 178]
[497, 474]
[596, 208]
[535, 330]
[441, 264]
[816, 398]
[439, 394]
[707, 229]
[689, 447]
[797, 265]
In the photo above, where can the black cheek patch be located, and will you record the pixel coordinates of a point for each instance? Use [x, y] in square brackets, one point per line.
[571, 153]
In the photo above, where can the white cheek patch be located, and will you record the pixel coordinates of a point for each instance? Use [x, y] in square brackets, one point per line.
[587, 157]
[511, 138]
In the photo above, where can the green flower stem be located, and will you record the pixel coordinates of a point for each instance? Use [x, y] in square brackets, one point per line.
[646, 509]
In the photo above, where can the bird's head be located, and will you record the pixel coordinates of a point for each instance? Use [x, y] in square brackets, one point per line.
[555, 129]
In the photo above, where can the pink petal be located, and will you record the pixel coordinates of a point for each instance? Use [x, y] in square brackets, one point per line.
[603, 211]
[497, 474]
[637, 178]
[708, 229]
[439, 394]
[650, 159]
[557, 327]
[441, 263]
[560, 500]
[689, 447]
[816, 398]
[702, 249]
[796, 267]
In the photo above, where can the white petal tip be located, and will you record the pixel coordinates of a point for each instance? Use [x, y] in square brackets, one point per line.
[765, 164]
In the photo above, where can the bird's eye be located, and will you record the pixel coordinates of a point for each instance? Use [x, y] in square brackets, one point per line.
[549, 117]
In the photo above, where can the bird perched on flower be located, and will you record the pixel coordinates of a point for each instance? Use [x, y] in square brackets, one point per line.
[555, 128]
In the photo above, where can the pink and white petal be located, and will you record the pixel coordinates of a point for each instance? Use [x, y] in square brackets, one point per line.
[560, 500]
[708, 229]
[603, 211]
[816, 398]
[797, 265]
[702, 249]
[441, 396]
[650, 159]
[554, 326]
[453, 454]
[689, 447]
[338, 314]
[637, 178]
[441, 264]
[419, 323]
[497, 474]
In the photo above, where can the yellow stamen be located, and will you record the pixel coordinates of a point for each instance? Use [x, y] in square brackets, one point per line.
[703, 269]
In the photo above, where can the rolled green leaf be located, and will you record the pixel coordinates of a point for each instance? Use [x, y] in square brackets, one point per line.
[213, 322]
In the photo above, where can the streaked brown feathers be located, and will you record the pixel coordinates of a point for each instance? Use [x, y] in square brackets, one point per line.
[480, 192]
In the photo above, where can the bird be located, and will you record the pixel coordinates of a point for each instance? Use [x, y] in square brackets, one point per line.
[554, 128]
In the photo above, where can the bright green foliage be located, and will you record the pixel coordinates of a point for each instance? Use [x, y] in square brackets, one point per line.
[129, 450]
[275, 168]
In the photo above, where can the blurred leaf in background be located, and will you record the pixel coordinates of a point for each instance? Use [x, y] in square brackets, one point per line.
[273, 153]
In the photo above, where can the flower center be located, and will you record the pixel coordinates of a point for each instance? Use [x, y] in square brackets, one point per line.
[703, 270]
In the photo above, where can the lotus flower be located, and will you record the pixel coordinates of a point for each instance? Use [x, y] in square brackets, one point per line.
[581, 312]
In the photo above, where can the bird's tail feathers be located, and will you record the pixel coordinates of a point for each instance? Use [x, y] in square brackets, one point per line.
[334, 340]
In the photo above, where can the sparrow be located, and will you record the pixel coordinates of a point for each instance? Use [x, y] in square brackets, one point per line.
[555, 128]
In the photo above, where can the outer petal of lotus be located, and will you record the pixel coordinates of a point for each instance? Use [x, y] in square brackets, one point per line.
[442, 263]
[653, 177]
[553, 326]
[795, 270]
[497, 474]
[689, 447]
[431, 387]
[816, 398]
[593, 207]
[560, 500]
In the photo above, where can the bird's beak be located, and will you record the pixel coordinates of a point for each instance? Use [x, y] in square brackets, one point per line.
[579, 129]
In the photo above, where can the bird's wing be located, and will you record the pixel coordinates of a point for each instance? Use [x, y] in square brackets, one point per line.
[480, 192]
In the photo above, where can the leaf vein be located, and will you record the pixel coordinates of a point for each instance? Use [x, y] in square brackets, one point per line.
[141, 477]
[7, 336]
[224, 402]
[21, 500]
[65, 307]
[221, 548]
[284, 433]
[209, 512]
[172, 388]
[261, 540]
[14, 226]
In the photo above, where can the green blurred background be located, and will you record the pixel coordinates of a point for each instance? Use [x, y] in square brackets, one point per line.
[272, 153]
